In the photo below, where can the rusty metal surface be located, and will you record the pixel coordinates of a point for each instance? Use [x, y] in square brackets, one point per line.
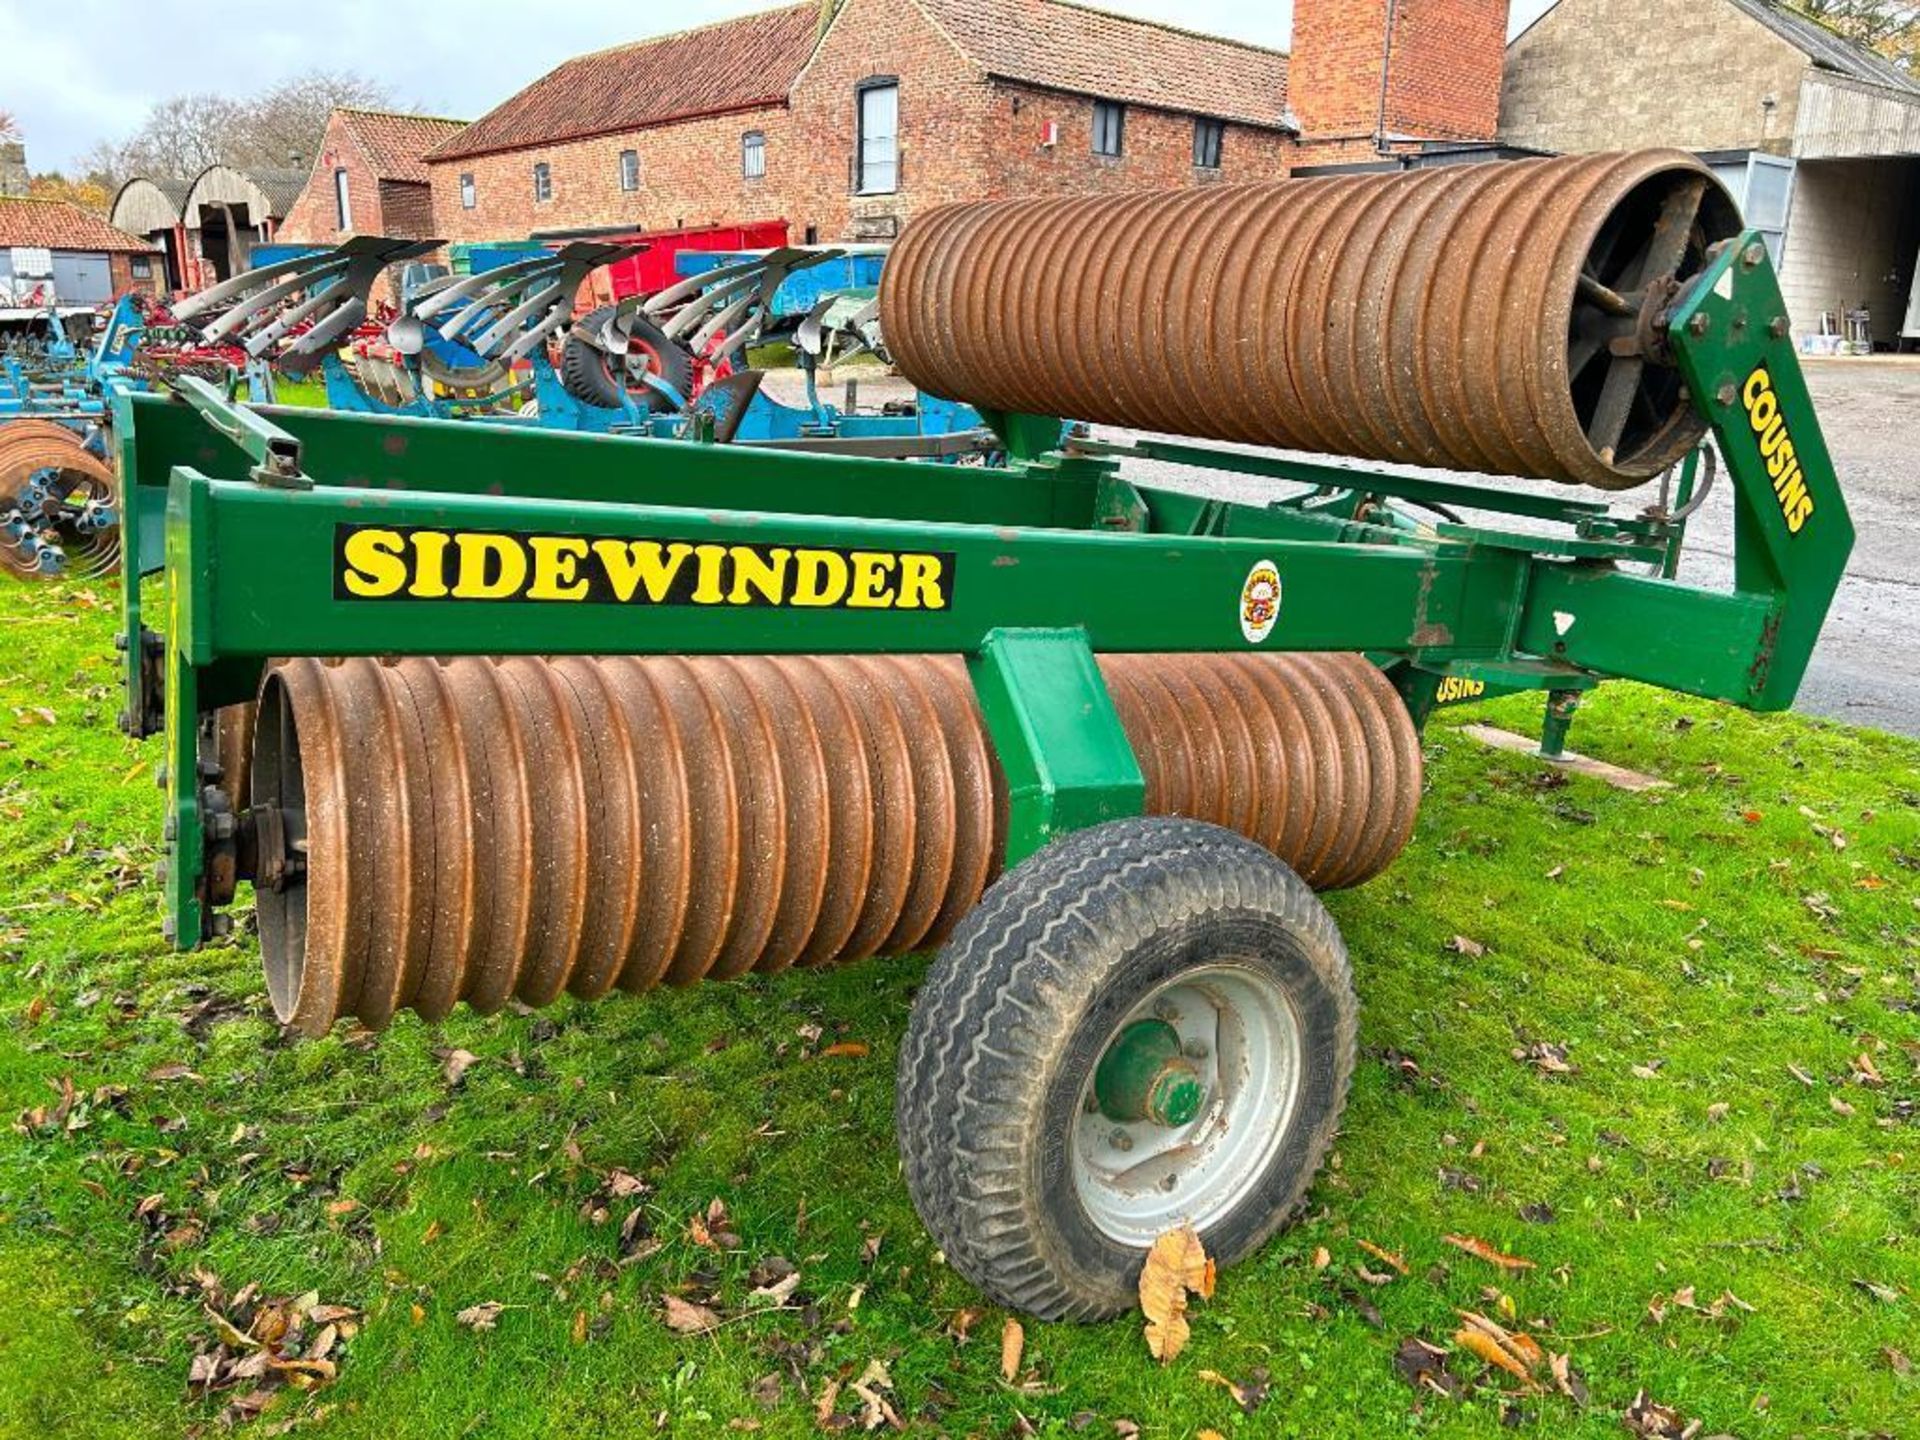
[487, 830]
[31, 447]
[1433, 317]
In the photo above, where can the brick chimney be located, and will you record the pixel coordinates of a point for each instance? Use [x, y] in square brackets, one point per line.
[13, 168]
[1441, 59]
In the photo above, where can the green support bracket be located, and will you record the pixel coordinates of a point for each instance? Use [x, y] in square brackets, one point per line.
[1067, 760]
[1027, 437]
[275, 453]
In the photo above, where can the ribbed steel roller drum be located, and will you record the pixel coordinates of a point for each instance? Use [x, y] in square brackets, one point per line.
[484, 830]
[1499, 318]
[53, 484]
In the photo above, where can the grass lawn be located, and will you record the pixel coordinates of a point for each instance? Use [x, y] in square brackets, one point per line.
[1732, 967]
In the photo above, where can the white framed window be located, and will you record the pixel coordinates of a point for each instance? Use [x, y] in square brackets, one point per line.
[1109, 127]
[753, 155]
[1207, 135]
[542, 183]
[342, 205]
[629, 169]
[469, 193]
[142, 268]
[877, 140]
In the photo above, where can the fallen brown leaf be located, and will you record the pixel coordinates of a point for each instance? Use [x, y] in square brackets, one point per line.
[1249, 1394]
[1176, 1265]
[1481, 1250]
[481, 1316]
[1386, 1256]
[1013, 1343]
[683, 1317]
[851, 1049]
[454, 1064]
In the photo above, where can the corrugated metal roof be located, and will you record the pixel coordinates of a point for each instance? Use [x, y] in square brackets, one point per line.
[1828, 50]
[1058, 45]
[60, 225]
[733, 65]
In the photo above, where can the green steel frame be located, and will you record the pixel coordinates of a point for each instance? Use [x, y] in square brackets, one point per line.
[244, 513]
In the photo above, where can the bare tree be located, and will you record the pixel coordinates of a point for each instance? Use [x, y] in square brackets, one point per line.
[288, 119]
[1891, 27]
[184, 134]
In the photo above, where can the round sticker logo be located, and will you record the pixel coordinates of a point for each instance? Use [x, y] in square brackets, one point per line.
[1260, 602]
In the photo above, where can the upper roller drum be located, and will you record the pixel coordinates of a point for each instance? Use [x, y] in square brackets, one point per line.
[1502, 318]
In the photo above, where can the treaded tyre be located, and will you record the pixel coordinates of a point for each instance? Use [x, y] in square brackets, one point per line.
[1167, 953]
[594, 377]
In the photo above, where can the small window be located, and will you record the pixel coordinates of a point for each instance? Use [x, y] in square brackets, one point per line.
[629, 169]
[469, 194]
[542, 183]
[753, 155]
[342, 207]
[1207, 135]
[877, 158]
[1109, 126]
[142, 268]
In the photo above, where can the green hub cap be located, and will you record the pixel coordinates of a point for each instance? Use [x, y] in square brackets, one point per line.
[1144, 1076]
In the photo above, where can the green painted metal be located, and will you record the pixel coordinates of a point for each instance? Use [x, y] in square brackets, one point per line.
[1038, 566]
[1065, 756]
[1143, 1075]
[1792, 534]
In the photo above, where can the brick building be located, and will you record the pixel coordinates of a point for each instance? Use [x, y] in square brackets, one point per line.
[845, 117]
[52, 250]
[1819, 138]
[368, 178]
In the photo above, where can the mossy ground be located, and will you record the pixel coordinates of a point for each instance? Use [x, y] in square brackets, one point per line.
[1736, 941]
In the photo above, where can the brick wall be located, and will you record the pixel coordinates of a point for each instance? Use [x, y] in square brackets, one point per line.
[1614, 74]
[690, 174]
[944, 105]
[120, 269]
[1850, 241]
[313, 218]
[1443, 79]
[1157, 153]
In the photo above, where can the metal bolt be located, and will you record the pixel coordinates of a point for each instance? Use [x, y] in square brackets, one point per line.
[166, 927]
[170, 827]
[221, 925]
[1168, 1011]
[1753, 254]
[220, 825]
[1725, 394]
[120, 642]
[1170, 1182]
[1698, 325]
[1195, 1049]
[1120, 1140]
[1779, 328]
[160, 872]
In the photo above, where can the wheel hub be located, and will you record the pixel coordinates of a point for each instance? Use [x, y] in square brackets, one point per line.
[1188, 1104]
[1144, 1075]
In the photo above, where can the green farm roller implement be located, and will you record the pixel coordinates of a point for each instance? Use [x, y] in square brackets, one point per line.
[486, 715]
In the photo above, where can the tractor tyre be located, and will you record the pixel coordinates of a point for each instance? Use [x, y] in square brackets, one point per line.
[594, 377]
[1167, 952]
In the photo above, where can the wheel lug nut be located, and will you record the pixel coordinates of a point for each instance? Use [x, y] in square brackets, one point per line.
[1167, 1011]
[1169, 1182]
[1120, 1140]
[1195, 1049]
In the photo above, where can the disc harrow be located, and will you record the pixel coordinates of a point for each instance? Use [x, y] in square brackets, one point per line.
[570, 715]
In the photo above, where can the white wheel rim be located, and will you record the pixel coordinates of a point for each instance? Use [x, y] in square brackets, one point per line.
[1137, 1181]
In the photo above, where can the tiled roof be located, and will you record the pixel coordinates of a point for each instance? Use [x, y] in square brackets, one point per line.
[734, 65]
[59, 225]
[1058, 45]
[1828, 50]
[395, 142]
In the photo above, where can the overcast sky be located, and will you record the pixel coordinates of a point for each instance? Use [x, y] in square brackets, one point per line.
[85, 70]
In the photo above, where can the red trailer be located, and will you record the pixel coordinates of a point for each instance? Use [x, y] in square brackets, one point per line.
[652, 269]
